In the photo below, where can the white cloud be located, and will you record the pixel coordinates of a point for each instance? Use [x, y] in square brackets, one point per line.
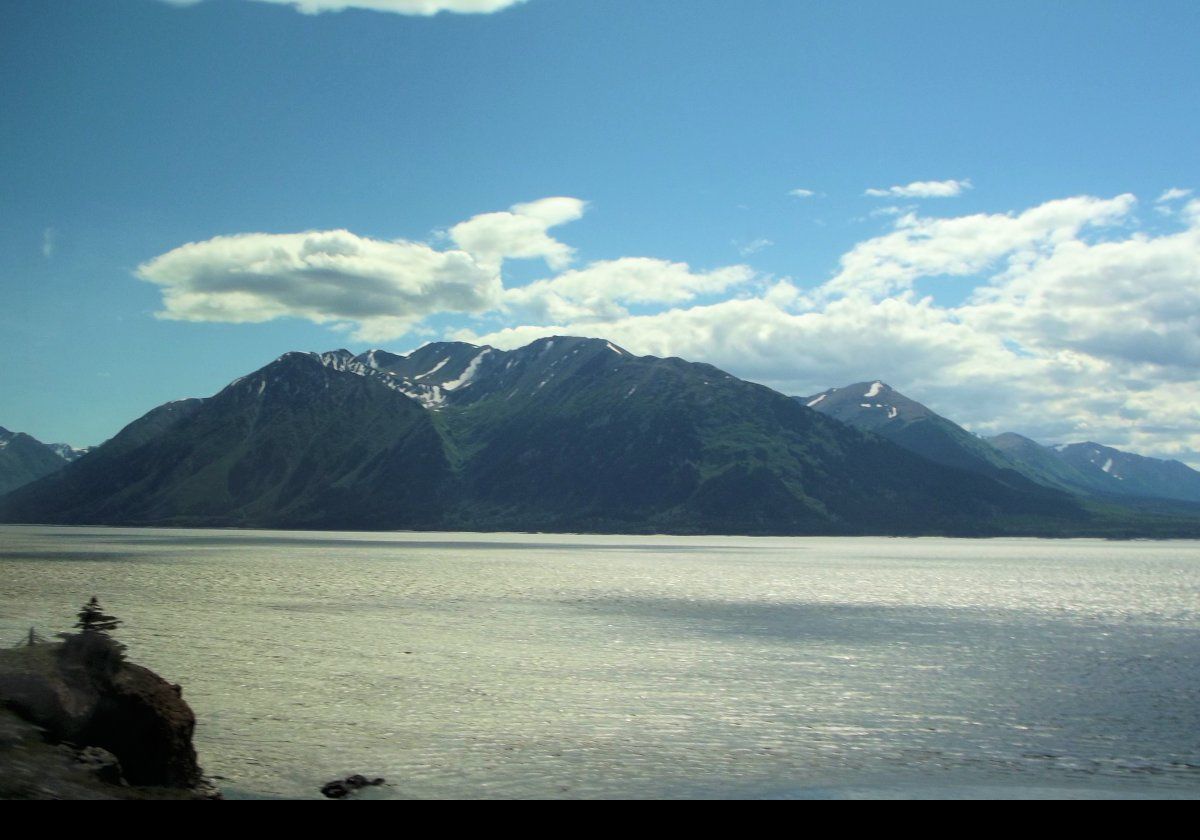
[1173, 194]
[402, 7]
[1129, 303]
[892, 210]
[1070, 323]
[966, 245]
[922, 189]
[1077, 327]
[380, 288]
[520, 232]
[1191, 211]
[746, 249]
[602, 290]
[801, 193]
[49, 242]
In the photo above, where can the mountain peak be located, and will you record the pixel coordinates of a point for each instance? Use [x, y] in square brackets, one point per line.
[24, 458]
[874, 406]
[573, 342]
[867, 404]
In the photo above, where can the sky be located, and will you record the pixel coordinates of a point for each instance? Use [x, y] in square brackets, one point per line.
[994, 208]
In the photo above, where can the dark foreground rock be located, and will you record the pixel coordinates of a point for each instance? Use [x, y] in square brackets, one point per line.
[341, 788]
[80, 722]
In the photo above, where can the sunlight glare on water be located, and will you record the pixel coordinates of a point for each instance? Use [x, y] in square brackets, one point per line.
[511, 665]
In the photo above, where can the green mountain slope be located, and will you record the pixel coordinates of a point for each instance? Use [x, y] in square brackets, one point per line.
[297, 444]
[564, 434]
[597, 438]
[878, 408]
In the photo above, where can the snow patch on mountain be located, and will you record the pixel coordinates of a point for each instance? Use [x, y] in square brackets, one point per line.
[875, 389]
[812, 403]
[433, 369]
[469, 373]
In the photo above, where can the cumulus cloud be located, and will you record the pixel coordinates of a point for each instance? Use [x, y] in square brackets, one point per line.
[922, 189]
[381, 288]
[1130, 302]
[1077, 326]
[801, 193]
[401, 7]
[520, 232]
[602, 290]
[1070, 322]
[963, 246]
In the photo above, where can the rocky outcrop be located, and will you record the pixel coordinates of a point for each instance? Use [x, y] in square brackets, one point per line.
[83, 694]
[341, 788]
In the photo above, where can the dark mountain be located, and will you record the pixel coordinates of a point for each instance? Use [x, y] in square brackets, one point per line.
[24, 459]
[1045, 465]
[297, 444]
[1093, 469]
[563, 434]
[878, 408]
[597, 438]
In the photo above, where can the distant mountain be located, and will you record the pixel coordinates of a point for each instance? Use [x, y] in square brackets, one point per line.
[878, 408]
[1046, 466]
[1086, 469]
[563, 434]
[1093, 469]
[24, 459]
[67, 452]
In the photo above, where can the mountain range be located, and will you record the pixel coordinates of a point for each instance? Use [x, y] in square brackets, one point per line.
[1085, 469]
[564, 434]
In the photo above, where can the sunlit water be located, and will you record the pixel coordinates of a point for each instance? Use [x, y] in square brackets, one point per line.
[467, 665]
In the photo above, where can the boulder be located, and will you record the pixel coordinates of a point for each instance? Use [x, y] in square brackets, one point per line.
[341, 788]
[83, 692]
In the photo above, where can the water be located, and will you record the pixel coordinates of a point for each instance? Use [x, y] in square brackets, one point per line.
[504, 665]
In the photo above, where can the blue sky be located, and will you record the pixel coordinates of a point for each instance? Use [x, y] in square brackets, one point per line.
[624, 169]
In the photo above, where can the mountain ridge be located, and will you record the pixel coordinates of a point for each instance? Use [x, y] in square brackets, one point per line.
[563, 434]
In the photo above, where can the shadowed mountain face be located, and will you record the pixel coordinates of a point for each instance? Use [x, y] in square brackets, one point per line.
[297, 444]
[24, 459]
[1093, 469]
[563, 434]
[878, 408]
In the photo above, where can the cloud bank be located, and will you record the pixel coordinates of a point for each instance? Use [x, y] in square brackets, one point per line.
[1070, 321]
[424, 8]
